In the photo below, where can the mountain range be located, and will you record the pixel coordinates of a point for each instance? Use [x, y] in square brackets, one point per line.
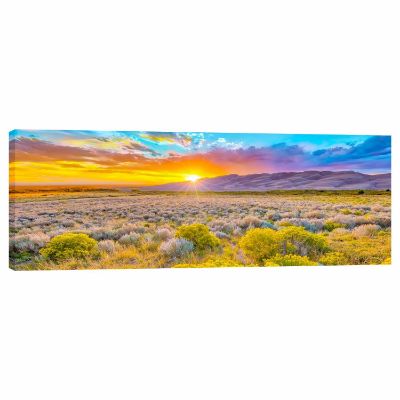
[328, 180]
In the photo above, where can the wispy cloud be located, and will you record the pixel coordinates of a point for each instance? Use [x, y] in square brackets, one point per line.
[181, 139]
[36, 150]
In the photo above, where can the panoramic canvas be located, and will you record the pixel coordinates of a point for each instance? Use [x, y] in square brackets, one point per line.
[97, 200]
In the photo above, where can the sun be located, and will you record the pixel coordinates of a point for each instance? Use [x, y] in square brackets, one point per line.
[192, 178]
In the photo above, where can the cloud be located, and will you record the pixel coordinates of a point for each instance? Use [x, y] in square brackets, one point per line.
[120, 144]
[259, 159]
[133, 146]
[372, 147]
[223, 143]
[372, 154]
[181, 139]
[35, 150]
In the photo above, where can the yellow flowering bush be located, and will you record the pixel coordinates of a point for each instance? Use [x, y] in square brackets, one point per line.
[199, 235]
[69, 246]
[259, 244]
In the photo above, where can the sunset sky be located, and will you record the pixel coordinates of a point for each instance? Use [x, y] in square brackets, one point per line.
[149, 158]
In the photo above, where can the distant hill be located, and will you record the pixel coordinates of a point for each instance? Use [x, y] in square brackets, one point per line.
[328, 180]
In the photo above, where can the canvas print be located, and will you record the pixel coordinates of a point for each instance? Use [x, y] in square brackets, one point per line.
[99, 200]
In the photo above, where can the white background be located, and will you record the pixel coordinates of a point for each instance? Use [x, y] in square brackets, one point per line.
[228, 66]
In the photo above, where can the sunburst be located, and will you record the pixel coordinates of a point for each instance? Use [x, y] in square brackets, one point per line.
[193, 178]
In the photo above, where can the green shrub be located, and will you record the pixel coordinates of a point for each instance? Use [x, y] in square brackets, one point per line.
[289, 260]
[331, 225]
[259, 244]
[296, 240]
[333, 258]
[20, 257]
[69, 246]
[199, 235]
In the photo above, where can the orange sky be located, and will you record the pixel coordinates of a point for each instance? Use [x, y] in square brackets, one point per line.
[69, 172]
[143, 172]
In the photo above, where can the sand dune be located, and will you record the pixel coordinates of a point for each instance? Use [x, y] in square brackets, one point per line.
[340, 180]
